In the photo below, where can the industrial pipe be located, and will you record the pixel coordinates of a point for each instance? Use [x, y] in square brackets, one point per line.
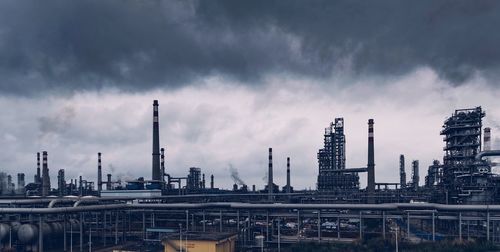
[489, 153]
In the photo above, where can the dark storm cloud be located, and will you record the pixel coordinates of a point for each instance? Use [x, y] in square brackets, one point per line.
[139, 45]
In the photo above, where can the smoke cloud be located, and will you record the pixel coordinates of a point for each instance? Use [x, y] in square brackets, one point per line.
[235, 176]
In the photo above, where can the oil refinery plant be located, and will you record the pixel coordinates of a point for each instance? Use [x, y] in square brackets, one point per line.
[459, 199]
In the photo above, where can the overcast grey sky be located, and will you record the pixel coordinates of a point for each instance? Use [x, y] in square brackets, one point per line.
[236, 77]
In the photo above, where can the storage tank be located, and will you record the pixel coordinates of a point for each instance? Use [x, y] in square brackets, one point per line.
[28, 233]
[4, 232]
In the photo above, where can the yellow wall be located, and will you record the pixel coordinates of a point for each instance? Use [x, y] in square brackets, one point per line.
[226, 245]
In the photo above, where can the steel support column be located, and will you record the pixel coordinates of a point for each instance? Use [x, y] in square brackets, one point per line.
[81, 231]
[319, 225]
[204, 220]
[488, 226]
[143, 225]
[383, 224]
[360, 225]
[40, 233]
[408, 225]
[64, 230]
[220, 223]
[433, 226]
[460, 226]
[187, 221]
[267, 225]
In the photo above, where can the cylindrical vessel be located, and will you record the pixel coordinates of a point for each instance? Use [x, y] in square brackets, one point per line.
[27, 233]
[4, 232]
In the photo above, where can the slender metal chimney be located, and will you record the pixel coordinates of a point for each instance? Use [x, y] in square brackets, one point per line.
[99, 174]
[80, 190]
[487, 139]
[212, 181]
[371, 158]
[288, 186]
[108, 183]
[270, 184]
[156, 143]
[203, 181]
[45, 175]
[162, 164]
[402, 173]
[38, 176]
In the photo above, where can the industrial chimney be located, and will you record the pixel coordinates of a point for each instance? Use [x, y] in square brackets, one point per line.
[45, 175]
[288, 189]
[371, 158]
[162, 164]
[80, 187]
[270, 184]
[402, 173]
[212, 181]
[487, 139]
[156, 144]
[99, 174]
[38, 177]
[203, 181]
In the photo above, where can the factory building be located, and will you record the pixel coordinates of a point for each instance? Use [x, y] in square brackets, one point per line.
[201, 242]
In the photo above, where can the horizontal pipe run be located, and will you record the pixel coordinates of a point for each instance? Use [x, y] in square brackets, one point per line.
[489, 153]
[236, 206]
[364, 169]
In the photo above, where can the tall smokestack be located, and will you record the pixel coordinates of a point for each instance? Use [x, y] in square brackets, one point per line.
[203, 181]
[288, 189]
[162, 164]
[38, 176]
[108, 183]
[45, 175]
[270, 184]
[487, 139]
[402, 173]
[156, 143]
[371, 158]
[212, 181]
[80, 186]
[99, 174]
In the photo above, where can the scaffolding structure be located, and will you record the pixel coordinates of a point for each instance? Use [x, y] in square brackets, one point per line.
[463, 178]
[194, 179]
[332, 157]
